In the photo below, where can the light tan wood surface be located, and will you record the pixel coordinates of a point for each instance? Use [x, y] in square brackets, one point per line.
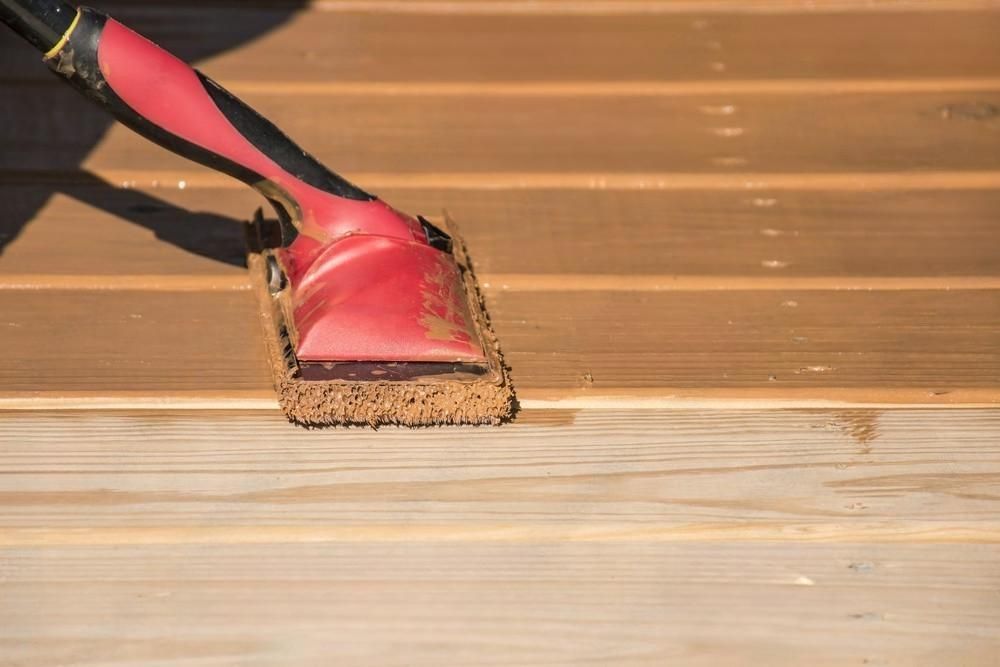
[532, 603]
[742, 261]
[833, 475]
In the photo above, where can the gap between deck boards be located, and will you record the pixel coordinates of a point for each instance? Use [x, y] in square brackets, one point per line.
[790, 86]
[142, 179]
[615, 7]
[536, 400]
[525, 282]
[617, 88]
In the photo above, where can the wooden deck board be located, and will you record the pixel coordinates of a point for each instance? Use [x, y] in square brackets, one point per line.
[869, 132]
[397, 46]
[367, 603]
[931, 236]
[146, 342]
[795, 476]
[879, 346]
[775, 340]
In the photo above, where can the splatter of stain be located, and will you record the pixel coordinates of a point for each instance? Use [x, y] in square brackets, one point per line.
[444, 316]
[860, 425]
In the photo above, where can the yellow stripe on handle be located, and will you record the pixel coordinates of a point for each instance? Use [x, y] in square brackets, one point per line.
[65, 38]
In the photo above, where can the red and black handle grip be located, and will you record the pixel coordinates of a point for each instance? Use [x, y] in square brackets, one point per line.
[162, 98]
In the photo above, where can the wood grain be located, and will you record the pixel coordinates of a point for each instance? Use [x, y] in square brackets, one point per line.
[777, 340]
[884, 346]
[796, 476]
[272, 46]
[130, 341]
[47, 129]
[637, 604]
[844, 236]
[100, 229]
[340, 47]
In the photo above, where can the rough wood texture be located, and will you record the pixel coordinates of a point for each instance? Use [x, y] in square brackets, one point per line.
[480, 604]
[418, 134]
[932, 236]
[333, 47]
[688, 213]
[780, 343]
[594, 475]
[130, 341]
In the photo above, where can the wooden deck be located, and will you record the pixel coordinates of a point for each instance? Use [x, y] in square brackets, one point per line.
[742, 258]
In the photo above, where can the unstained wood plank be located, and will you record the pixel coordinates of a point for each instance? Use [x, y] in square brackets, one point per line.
[794, 476]
[431, 604]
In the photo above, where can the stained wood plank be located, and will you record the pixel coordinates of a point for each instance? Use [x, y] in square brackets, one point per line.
[274, 44]
[142, 342]
[660, 47]
[104, 230]
[487, 604]
[47, 129]
[100, 230]
[881, 346]
[782, 340]
[910, 476]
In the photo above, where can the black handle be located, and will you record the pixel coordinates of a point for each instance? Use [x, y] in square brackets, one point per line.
[41, 22]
